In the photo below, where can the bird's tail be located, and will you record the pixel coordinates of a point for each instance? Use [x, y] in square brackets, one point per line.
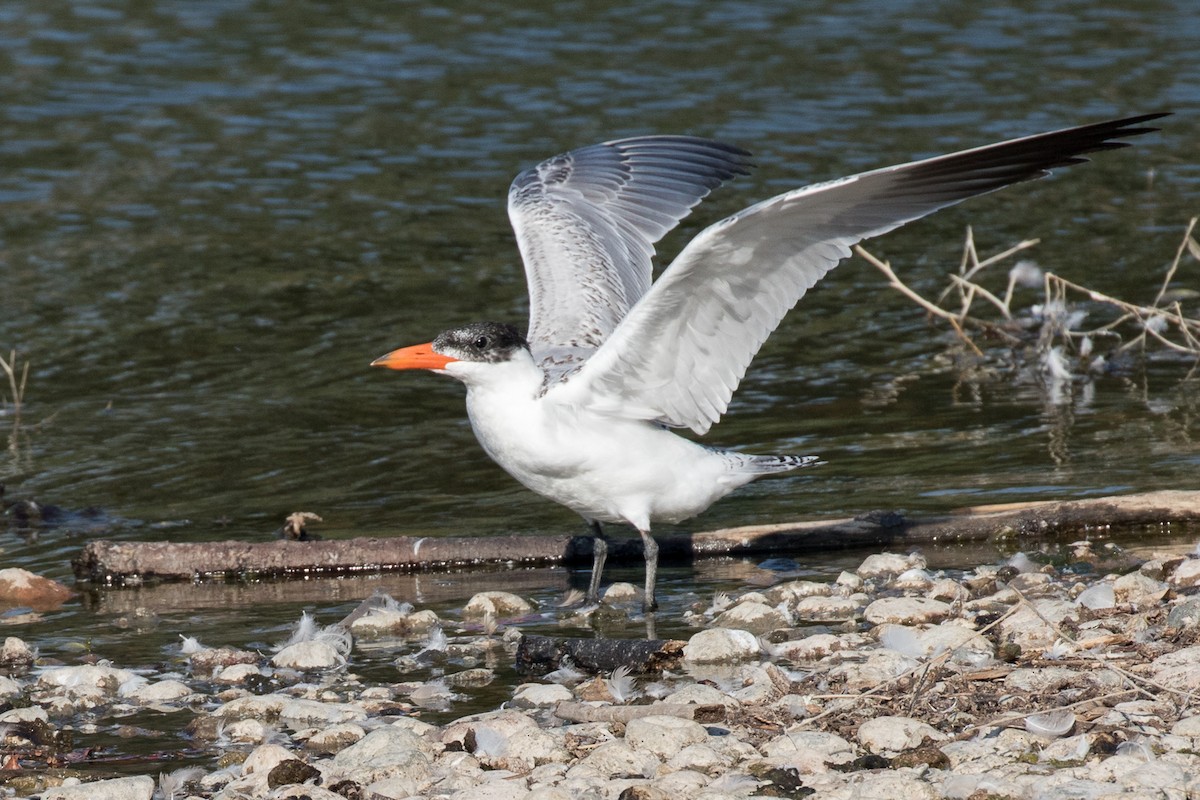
[765, 465]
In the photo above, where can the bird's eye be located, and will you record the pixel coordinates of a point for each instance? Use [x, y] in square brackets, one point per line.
[481, 342]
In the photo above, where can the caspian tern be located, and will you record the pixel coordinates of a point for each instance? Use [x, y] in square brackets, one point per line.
[580, 408]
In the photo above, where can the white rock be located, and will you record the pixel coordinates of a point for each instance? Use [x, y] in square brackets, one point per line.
[9, 686]
[547, 793]
[887, 564]
[1071, 748]
[541, 695]
[1028, 629]
[160, 692]
[809, 751]
[382, 754]
[26, 714]
[302, 713]
[264, 707]
[1178, 670]
[389, 789]
[105, 678]
[335, 738]
[136, 788]
[892, 786]
[307, 656]
[887, 734]
[700, 758]
[617, 759]
[1043, 680]
[811, 648]
[1188, 726]
[506, 740]
[247, 730]
[502, 604]
[663, 736]
[391, 621]
[948, 590]
[621, 592]
[760, 684]
[721, 645]
[792, 591]
[684, 783]
[15, 652]
[827, 609]
[848, 580]
[496, 789]
[265, 758]
[1157, 774]
[700, 694]
[906, 610]
[880, 666]
[256, 769]
[754, 617]
[236, 673]
[1187, 573]
[1139, 590]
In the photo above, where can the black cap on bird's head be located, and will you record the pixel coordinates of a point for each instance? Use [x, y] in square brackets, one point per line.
[480, 342]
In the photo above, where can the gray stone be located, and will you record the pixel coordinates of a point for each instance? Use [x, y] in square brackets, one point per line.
[721, 645]
[663, 736]
[140, 787]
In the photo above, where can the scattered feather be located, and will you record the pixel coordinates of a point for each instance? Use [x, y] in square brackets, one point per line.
[1022, 563]
[490, 742]
[172, 785]
[571, 598]
[620, 684]
[1060, 649]
[436, 642]
[1051, 724]
[901, 640]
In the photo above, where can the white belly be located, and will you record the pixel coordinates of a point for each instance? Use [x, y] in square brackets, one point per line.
[603, 468]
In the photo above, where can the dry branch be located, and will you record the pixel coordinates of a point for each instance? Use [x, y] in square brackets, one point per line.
[109, 561]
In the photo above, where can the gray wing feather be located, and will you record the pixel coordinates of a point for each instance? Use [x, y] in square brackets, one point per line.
[586, 223]
[679, 354]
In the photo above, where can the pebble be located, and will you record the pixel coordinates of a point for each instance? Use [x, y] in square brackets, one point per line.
[889, 735]
[1187, 573]
[752, 616]
[139, 787]
[663, 736]
[501, 604]
[310, 655]
[20, 587]
[721, 645]
[900, 669]
[906, 610]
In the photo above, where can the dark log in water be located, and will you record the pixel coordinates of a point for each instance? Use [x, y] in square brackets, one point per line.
[541, 654]
[125, 562]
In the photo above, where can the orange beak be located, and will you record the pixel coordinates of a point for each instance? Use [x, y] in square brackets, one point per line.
[419, 356]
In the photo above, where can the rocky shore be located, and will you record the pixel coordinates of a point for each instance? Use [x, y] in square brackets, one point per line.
[1073, 679]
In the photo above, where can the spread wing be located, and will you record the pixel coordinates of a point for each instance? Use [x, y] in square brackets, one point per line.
[586, 223]
[679, 354]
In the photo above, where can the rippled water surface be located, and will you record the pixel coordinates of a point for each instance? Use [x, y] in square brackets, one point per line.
[216, 214]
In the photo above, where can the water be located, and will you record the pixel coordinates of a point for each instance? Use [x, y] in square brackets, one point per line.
[217, 214]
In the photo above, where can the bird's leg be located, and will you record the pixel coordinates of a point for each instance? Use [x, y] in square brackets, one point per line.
[599, 554]
[651, 550]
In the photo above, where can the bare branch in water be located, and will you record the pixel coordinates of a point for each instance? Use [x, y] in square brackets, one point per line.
[1162, 322]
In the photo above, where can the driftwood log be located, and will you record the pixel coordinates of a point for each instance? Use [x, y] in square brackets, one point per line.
[541, 654]
[109, 561]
